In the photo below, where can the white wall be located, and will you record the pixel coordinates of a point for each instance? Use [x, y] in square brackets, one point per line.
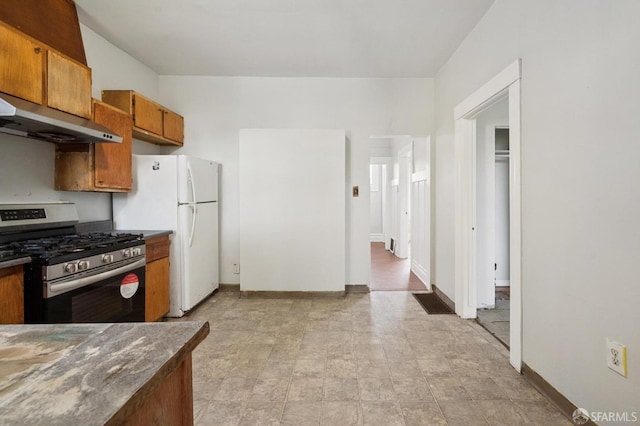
[376, 202]
[215, 108]
[581, 245]
[289, 239]
[27, 166]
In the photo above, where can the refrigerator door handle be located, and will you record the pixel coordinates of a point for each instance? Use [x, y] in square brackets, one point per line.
[191, 183]
[194, 210]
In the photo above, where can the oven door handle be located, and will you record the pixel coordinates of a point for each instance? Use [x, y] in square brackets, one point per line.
[60, 288]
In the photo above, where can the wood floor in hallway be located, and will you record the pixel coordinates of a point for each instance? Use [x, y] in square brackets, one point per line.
[389, 272]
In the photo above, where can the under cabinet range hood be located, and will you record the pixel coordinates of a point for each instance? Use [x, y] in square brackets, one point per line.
[23, 118]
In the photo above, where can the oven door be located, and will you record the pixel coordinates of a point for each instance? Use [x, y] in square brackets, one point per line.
[113, 296]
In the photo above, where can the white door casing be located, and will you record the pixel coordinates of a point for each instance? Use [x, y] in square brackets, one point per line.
[506, 83]
[404, 200]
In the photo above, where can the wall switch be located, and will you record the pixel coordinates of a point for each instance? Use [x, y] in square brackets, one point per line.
[617, 357]
[356, 191]
[236, 268]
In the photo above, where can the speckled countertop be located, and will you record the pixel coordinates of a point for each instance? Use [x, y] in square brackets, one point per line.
[86, 374]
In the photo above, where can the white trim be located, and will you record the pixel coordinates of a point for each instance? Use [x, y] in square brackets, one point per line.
[492, 91]
[395, 182]
[377, 238]
[503, 283]
[506, 83]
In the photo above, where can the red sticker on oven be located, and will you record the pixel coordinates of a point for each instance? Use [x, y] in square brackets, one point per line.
[129, 285]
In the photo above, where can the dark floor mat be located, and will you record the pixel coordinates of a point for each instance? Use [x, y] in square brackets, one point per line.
[432, 303]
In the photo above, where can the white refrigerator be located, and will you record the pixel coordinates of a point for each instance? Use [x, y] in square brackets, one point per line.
[178, 193]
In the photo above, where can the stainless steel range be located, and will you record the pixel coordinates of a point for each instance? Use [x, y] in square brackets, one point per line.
[92, 277]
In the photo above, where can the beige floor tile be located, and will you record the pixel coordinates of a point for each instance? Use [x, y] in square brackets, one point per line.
[341, 413]
[309, 368]
[275, 368]
[404, 368]
[234, 389]
[262, 413]
[503, 412]
[221, 413]
[305, 389]
[302, 413]
[412, 389]
[447, 388]
[374, 358]
[339, 389]
[422, 413]
[270, 390]
[382, 413]
[343, 368]
[372, 389]
[463, 413]
[373, 368]
[482, 388]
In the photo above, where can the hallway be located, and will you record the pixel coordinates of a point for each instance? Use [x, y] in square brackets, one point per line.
[390, 273]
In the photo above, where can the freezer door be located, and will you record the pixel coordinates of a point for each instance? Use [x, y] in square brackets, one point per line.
[197, 180]
[198, 228]
[152, 202]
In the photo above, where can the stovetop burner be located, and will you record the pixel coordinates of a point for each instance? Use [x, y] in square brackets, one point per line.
[69, 246]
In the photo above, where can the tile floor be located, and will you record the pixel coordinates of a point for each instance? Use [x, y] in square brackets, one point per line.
[496, 320]
[365, 359]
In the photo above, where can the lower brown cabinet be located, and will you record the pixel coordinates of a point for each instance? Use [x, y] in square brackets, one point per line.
[12, 295]
[157, 278]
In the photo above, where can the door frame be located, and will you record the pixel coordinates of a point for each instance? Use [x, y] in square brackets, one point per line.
[504, 84]
[405, 171]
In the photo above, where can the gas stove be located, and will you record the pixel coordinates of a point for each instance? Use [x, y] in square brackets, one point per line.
[70, 271]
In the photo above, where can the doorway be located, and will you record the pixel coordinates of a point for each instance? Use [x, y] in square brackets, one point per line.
[396, 259]
[492, 220]
[504, 85]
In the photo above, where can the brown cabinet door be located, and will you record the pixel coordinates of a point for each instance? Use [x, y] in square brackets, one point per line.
[68, 85]
[147, 114]
[156, 289]
[113, 160]
[11, 296]
[22, 64]
[173, 126]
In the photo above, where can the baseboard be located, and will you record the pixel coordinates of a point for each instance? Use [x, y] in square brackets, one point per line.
[229, 287]
[356, 288]
[443, 297]
[420, 272]
[244, 294]
[377, 238]
[503, 283]
[565, 406]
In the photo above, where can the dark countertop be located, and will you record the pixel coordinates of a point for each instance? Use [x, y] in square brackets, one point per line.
[107, 226]
[147, 234]
[15, 261]
[63, 374]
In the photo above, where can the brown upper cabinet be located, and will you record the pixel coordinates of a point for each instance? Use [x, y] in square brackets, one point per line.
[151, 121]
[40, 74]
[100, 167]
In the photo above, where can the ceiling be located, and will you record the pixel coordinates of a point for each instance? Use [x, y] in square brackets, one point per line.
[286, 38]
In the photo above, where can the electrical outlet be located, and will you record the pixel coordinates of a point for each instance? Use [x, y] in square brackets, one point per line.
[617, 357]
[236, 268]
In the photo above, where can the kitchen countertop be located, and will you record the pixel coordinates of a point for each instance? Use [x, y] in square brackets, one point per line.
[15, 262]
[87, 373]
[147, 234]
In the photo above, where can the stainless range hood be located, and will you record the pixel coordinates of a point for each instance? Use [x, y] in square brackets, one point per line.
[22, 118]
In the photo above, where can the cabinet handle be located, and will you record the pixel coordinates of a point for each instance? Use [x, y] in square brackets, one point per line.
[37, 49]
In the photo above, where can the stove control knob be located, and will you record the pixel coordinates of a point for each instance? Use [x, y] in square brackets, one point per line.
[136, 251]
[70, 267]
[107, 258]
[126, 253]
[83, 264]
